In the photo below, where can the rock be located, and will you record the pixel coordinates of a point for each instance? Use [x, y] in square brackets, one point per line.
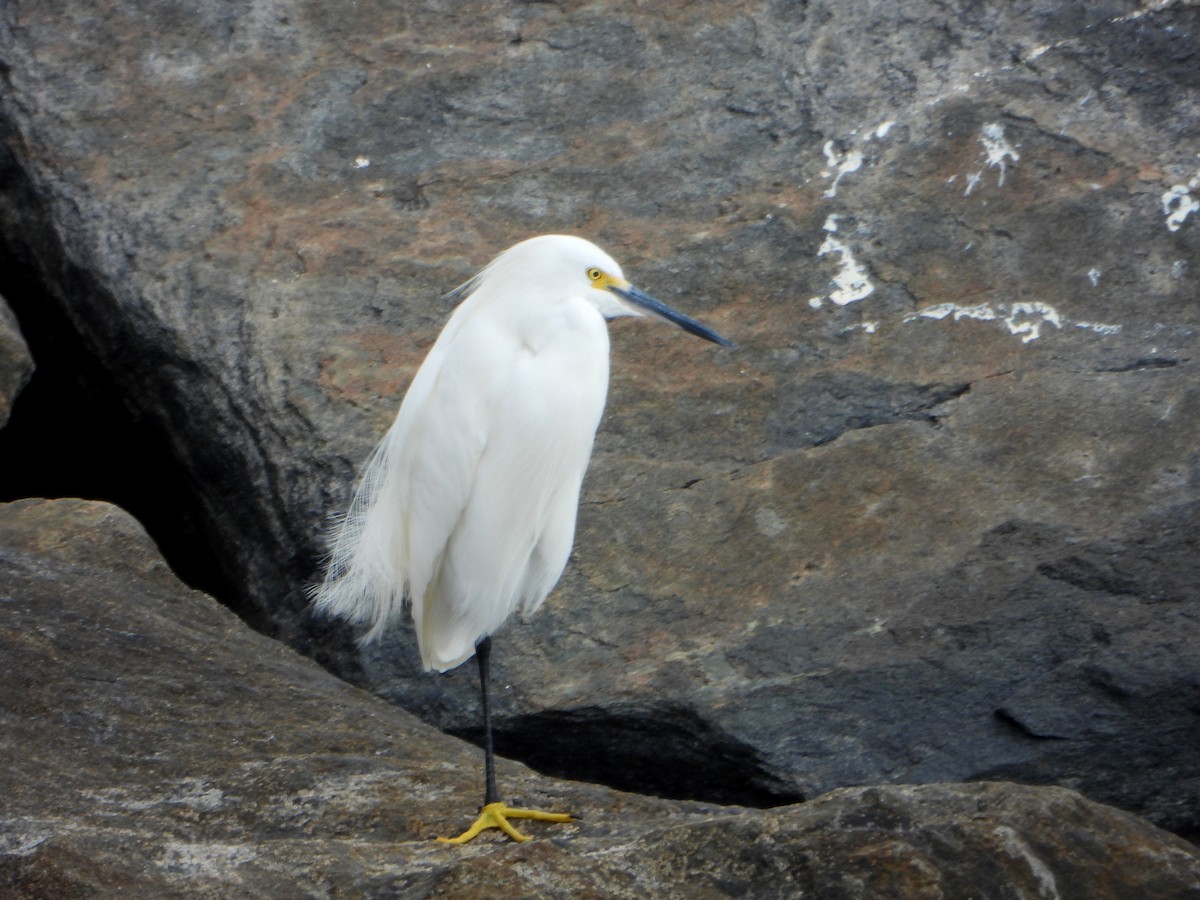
[931, 521]
[156, 746]
[16, 366]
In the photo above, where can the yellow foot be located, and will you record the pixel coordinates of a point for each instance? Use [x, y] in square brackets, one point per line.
[496, 815]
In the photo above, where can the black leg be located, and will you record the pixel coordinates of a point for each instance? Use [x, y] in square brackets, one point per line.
[483, 650]
[495, 813]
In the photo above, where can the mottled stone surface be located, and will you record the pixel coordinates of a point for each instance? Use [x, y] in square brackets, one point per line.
[155, 746]
[15, 363]
[933, 519]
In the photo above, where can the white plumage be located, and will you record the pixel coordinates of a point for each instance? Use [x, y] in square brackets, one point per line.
[467, 507]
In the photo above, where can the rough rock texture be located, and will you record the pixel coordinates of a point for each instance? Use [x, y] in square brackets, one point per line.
[934, 519]
[15, 363]
[155, 746]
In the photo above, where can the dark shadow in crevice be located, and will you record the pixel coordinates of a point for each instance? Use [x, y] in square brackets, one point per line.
[72, 435]
[670, 753]
[74, 430]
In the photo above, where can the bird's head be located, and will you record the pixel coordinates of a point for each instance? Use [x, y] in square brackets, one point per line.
[574, 264]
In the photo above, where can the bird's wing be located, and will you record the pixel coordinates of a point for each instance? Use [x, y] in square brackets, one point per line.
[445, 437]
[530, 423]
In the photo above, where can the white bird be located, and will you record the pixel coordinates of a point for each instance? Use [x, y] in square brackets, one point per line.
[467, 507]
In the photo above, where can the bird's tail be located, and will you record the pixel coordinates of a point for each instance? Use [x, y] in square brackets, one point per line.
[365, 575]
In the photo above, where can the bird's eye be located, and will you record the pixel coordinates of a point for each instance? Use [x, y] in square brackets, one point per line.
[594, 274]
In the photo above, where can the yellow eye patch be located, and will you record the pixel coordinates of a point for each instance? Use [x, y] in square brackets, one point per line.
[601, 279]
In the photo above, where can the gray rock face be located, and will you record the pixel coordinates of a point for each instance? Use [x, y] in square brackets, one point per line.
[934, 519]
[15, 363]
[156, 746]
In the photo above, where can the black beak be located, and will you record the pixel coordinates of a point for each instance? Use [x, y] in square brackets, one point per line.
[659, 310]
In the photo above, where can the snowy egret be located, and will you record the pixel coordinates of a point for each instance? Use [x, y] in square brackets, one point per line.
[467, 507]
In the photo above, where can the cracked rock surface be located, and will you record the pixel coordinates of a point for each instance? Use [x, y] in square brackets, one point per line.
[934, 519]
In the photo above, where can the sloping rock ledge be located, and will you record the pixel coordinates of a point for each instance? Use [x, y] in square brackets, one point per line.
[156, 746]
